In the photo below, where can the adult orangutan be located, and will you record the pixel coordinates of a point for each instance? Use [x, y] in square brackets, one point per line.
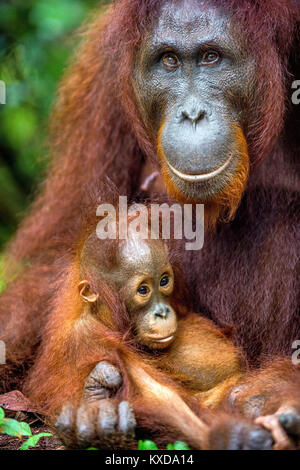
[199, 89]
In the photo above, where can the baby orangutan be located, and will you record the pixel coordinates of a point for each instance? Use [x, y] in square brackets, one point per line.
[187, 346]
[130, 353]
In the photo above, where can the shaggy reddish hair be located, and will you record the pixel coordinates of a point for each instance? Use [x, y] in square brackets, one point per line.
[96, 131]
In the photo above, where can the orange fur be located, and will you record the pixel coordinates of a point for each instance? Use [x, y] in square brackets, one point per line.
[225, 204]
[174, 392]
[97, 132]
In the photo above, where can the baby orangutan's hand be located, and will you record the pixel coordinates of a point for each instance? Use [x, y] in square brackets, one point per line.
[101, 420]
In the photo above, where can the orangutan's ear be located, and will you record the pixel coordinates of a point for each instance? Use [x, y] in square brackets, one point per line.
[86, 292]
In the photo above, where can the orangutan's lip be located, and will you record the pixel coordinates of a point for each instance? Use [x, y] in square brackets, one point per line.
[201, 177]
[161, 340]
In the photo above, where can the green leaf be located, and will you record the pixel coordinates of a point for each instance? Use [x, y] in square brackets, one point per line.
[170, 447]
[11, 427]
[2, 414]
[178, 445]
[147, 445]
[55, 17]
[44, 434]
[19, 125]
[92, 448]
[140, 445]
[25, 429]
[33, 440]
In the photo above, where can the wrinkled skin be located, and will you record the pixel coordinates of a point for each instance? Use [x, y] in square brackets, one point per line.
[284, 423]
[101, 421]
[192, 103]
[284, 426]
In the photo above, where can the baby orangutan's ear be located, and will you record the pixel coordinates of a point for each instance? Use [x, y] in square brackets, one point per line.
[86, 293]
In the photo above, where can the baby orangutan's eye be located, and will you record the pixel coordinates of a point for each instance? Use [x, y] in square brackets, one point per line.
[143, 290]
[164, 281]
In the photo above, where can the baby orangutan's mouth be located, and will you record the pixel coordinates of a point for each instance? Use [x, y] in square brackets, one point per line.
[162, 340]
[159, 341]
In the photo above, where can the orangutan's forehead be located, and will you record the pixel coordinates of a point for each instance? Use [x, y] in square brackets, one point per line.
[189, 20]
[140, 255]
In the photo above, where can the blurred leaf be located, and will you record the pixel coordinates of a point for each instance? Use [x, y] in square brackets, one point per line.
[14, 428]
[170, 447]
[33, 440]
[55, 17]
[147, 445]
[7, 13]
[36, 40]
[11, 198]
[19, 125]
[178, 445]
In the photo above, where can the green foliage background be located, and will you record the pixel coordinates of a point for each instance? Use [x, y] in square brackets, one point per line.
[36, 40]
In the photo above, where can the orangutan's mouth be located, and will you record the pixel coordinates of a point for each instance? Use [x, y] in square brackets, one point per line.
[161, 340]
[200, 177]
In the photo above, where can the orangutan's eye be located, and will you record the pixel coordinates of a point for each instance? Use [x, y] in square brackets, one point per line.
[209, 58]
[164, 281]
[143, 290]
[170, 60]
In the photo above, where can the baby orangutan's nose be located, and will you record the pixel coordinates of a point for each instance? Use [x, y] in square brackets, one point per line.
[161, 311]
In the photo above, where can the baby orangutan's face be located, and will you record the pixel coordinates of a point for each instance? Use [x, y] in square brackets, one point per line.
[144, 279]
[148, 283]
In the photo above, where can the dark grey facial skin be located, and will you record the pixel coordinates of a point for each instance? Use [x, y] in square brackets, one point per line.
[199, 106]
